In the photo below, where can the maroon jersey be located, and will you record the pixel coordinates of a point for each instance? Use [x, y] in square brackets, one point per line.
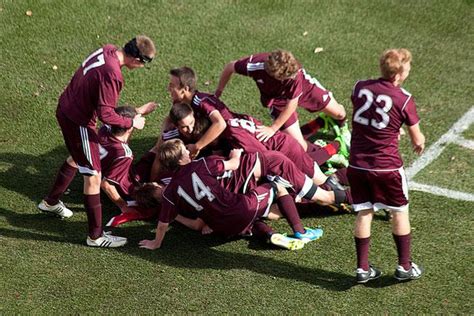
[380, 109]
[195, 189]
[207, 103]
[116, 159]
[94, 91]
[312, 95]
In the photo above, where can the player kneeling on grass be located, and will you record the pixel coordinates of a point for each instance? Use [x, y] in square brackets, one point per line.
[196, 190]
[375, 170]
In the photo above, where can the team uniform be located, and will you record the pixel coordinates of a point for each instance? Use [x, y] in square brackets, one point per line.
[195, 189]
[274, 94]
[375, 172]
[92, 92]
[241, 133]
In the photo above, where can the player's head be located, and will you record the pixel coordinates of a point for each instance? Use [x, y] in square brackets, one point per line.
[125, 111]
[172, 154]
[148, 195]
[182, 84]
[182, 116]
[139, 51]
[281, 65]
[395, 64]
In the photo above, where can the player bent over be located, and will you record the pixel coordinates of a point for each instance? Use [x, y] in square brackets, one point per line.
[284, 85]
[196, 190]
[375, 171]
[93, 92]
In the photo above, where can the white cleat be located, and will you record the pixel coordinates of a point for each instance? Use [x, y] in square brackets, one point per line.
[58, 209]
[107, 241]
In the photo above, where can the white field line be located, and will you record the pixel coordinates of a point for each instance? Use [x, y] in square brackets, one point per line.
[453, 135]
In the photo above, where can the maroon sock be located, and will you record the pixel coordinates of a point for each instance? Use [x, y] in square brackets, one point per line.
[94, 215]
[64, 177]
[362, 249]
[403, 244]
[312, 127]
[317, 153]
[261, 230]
[287, 207]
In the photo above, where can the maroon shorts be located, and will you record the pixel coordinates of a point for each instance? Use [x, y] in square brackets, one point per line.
[378, 189]
[82, 143]
[275, 111]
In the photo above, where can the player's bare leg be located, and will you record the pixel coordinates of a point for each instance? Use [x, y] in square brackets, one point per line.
[295, 131]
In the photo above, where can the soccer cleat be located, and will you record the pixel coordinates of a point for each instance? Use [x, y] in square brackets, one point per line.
[338, 160]
[346, 135]
[343, 148]
[58, 209]
[363, 276]
[310, 234]
[413, 273]
[329, 124]
[106, 241]
[286, 242]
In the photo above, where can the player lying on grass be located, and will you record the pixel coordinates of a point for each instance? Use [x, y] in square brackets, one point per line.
[120, 175]
[93, 93]
[376, 172]
[196, 190]
[284, 85]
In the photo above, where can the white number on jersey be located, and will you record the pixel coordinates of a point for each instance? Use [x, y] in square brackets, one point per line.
[98, 54]
[200, 191]
[383, 112]
[245, 124]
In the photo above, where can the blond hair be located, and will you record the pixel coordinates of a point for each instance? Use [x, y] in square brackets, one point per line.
[169, 154]
[281, 65]
[146, 46]
[393, 62]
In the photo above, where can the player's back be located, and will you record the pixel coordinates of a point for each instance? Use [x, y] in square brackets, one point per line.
[195, 189]
[379, 111]
[98, 74]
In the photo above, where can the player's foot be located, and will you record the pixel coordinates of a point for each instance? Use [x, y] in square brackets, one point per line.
[320, 142]
[329, 124]
[413, 273]
[107, 241]
[338, 160]
[346, 135]
[344, 147]
[286, 242]
[363, 276]
[310, 234]
[58, 209]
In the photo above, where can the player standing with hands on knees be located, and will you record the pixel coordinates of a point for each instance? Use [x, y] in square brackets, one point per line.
[93, 92]
[375, 171]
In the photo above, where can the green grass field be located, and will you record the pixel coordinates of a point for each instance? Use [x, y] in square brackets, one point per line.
[45, 267]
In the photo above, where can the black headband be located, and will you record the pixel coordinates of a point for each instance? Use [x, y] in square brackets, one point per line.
[131, 49]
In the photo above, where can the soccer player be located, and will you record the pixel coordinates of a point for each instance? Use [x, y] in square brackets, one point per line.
[375, 171]
[120, 176]
[93, 92]
[196, 190]
[284, 85]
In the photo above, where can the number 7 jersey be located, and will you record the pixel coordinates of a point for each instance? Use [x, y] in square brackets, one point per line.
[379, 111]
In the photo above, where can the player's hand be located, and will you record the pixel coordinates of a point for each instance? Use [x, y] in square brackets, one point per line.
[149, 244]
[264, 133]
[139, 121]
[419, 148]
[235, 153]
[193, 150]
[147, 108]
[206, 230]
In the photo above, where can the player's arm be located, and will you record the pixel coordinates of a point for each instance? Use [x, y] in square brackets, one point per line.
[113, 194]
[194, 224]
[229, 69]
[161, 229]
[218, 125]
[265, 132]
[233, 162]
[146, 108]
[417, 138]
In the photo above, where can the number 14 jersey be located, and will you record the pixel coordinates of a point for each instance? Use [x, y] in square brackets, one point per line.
[379, 111]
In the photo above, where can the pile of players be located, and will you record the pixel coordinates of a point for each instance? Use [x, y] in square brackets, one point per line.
[226, 173]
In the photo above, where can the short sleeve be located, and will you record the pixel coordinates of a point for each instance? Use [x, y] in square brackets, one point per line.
[240, 66]
[411, 115]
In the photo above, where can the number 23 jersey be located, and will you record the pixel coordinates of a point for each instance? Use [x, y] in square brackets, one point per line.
[379, 111]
